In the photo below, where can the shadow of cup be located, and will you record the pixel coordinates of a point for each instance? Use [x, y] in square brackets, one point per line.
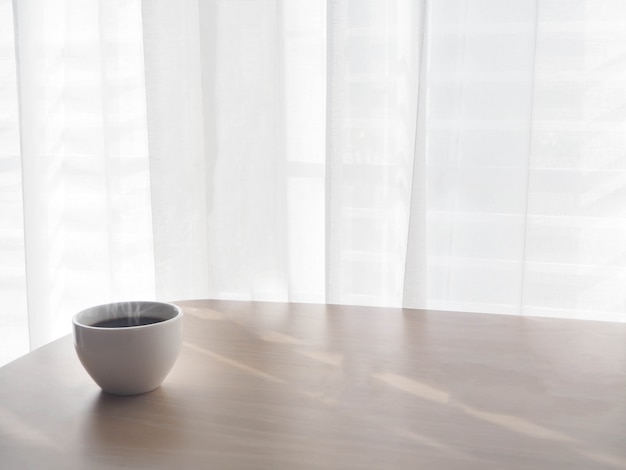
[141, 428]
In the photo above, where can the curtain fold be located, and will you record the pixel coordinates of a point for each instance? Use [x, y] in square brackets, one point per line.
[458, 155]
[373, 81]
[14, 318]
[179, 165]
[481, 68]
[82, 179]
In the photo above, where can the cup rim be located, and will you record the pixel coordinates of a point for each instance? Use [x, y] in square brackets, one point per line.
[174, 307]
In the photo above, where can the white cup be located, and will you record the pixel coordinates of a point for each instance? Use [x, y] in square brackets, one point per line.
[124, 357]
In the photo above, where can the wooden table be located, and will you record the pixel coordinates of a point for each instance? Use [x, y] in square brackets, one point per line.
[293, 386]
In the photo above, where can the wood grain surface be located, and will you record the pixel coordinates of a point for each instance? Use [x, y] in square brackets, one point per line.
[294, 386]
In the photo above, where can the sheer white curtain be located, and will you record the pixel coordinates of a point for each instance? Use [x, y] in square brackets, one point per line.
[75, 224]
[461, 155]
[526, 157]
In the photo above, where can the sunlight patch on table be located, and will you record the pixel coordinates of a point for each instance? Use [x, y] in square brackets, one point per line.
[280, 338]
[515, 424]
[233, 363]
[327, 358]
[414, 387]
[13, 425]
[604, 459]
[322, 398]
[427, 441]
[204, 313]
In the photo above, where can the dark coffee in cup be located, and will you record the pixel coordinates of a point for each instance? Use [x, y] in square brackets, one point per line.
[125, 322]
